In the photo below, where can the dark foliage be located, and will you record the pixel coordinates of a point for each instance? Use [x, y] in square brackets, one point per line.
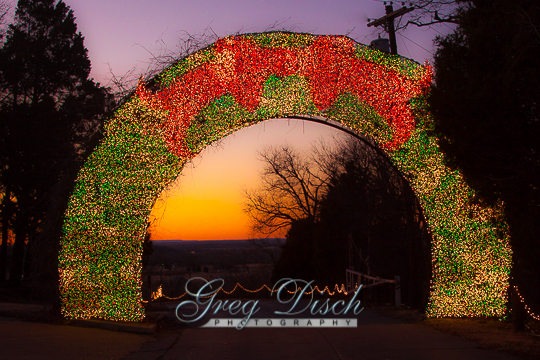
[486, 102]
[368, 220]
[297, 259]
[51, 113]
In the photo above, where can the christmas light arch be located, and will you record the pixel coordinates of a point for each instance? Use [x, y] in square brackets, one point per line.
[240, 81]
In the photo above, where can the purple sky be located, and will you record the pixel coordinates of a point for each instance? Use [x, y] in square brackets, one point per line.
[122, 35]
[126, 34]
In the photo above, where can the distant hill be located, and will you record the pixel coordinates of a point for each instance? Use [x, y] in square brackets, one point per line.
[219, 253]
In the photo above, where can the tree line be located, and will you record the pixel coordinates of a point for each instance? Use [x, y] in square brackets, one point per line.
[51, 116]
[341, 206]
[485, 102]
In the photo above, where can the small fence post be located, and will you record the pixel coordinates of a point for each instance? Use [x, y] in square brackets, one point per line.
[397, 280]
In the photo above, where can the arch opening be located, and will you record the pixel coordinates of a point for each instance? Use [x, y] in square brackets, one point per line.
[380, 214]
[210, 191]
[242, 80]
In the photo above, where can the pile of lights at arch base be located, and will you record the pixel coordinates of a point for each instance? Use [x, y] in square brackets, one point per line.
[243, 80]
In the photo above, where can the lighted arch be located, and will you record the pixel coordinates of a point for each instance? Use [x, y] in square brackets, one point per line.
[239, 81]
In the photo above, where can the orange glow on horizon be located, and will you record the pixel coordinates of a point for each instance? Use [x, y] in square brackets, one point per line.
[205, 202]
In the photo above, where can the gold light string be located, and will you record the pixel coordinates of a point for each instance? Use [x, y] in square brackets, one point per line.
[243, 80]
[340, 290]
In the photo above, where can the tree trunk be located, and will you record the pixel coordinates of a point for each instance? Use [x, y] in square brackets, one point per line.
[17, 260]
[6, 216]
[46, 246]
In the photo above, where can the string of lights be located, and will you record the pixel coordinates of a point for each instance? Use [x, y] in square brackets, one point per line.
[243, 80]
[527, 308]
[338, 289]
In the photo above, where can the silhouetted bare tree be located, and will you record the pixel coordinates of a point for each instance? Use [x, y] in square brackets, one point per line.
[358, 196]
[4, 11]
[292, 187]
[431, 12]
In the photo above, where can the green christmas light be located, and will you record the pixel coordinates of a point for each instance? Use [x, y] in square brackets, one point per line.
[243, 80]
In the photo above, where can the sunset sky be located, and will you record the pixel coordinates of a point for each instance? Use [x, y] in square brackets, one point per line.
[123, 36]
[206, 200]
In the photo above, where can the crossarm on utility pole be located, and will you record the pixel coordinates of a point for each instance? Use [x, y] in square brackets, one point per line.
[389, 20]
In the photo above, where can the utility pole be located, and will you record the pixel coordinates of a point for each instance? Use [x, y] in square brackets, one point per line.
[388, 20]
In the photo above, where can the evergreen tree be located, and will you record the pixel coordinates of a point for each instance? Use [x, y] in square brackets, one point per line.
[370, 219]
[50, 110]
[296, 259]
[486, 102]
[366, 205]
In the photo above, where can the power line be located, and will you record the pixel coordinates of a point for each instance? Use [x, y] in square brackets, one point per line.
[432, 28]
[445, 24]
[429, 51]
[406, 48]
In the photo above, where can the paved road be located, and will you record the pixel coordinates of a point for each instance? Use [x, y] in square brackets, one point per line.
[376, 337]
[23, 340]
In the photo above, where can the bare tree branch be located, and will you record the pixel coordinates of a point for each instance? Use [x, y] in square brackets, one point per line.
[293, 184]
[291, 189]
[430, 12]
[5, 9]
